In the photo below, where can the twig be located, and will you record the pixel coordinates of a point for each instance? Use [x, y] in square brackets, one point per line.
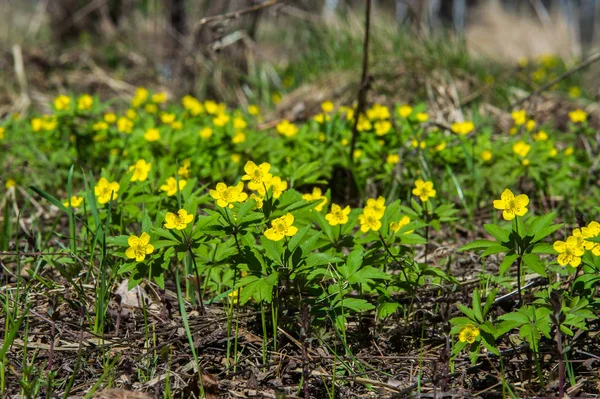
[582, 65]
[364, 81]
[24, 98]
[234, 14]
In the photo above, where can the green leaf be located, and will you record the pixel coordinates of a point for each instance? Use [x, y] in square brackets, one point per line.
[495, 249]
[546, 231]
[319, 258]
[298, 237]
[497, 232]
[534, 263]
[477, 306]
[356, 304]
[387, 309]
[543, 248]
[507, 263]
[477, 244]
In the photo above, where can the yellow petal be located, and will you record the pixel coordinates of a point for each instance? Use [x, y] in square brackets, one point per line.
[133, 241]
[507, 195]
[288, 219]
[499, 204]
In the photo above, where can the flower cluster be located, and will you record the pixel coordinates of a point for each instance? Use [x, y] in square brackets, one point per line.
[574, 247]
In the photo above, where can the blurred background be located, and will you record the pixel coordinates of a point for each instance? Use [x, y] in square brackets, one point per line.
[283, 53]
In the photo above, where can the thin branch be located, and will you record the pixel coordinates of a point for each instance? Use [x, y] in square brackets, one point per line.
[234, 14]
[364, 81]
[592, 59]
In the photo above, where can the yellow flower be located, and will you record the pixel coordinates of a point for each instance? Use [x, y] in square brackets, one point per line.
[85, 102]
[139, 247]
[321, 118]
[513, 130]
[167, 118]
[226, 196]
[177, 125]
[578, 116]
[258, 199]
[221, 120]
[357, 153]
[74, 202]
[540, 136]
[569, 151]
[395, 226]
[140, 170]
[369, 221]
[258, 177]
[463, 128]
[234, 295]
[37, 124]
[152, 134]
[286, 129]
[124, 125]
[519, 117]
[239, 123]
[62, 103]
[525, 162]
[553, 152]
[140, 97]
[276, 98]
[211, 107]
[281, 227]
[512, 205]
[131, 114]
[405, 111]
[382, 127]
[344, 142]
[570, 252]
[278, 186]
[10, 183]
[521, 148]
[205, 133]
[422, 117]
[2, 130]
[424, 190]
[440, 147]
[178, 221]
[238, 138]
[590, 231]
[574, 92]
[184, 169]
[393, 159]
[364, 125]
[104, 189]
[236, 158]
[314, 196]
[578, 234]
[253, 110]
[327, 106]
[468, 333]
[99, 126]
[378, 112]
[170, 186]
[530, 125]
[377, 206]
[151, 108]
[50, 123]
[337, 215]
[159, 98]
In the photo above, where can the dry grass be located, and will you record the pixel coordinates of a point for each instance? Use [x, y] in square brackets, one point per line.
[506, 37]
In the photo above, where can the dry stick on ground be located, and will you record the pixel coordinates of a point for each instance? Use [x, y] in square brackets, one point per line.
[584, 64]
[233, 14]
